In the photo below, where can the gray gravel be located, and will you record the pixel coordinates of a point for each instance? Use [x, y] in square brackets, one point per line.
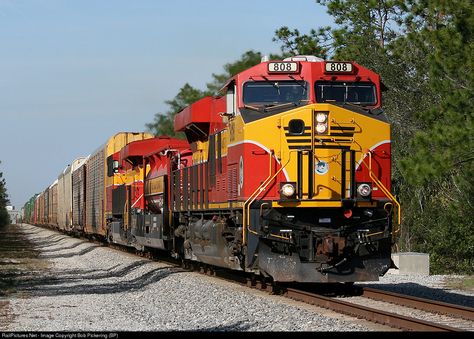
[88, 287]
[431, 287]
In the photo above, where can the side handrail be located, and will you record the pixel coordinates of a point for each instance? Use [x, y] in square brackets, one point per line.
[382, 187]
[125, 215]
[253, 197]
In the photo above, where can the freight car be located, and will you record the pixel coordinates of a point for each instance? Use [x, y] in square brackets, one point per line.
[65, 195]
[85, 189]
[286, 175]
[29, 209]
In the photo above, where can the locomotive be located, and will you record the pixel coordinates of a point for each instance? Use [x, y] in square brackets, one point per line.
[286, 175]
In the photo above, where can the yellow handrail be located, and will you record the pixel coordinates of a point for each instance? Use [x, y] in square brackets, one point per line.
[382, 187]
[125, 214]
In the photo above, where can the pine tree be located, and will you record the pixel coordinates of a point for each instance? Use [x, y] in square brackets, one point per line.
[441, 164]
[315, 43]
[446, 145]
[4, 217]
[163, 122]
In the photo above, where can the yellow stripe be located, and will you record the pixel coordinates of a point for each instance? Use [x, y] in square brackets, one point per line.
[307, 203]
[278, 204]
[217, 206]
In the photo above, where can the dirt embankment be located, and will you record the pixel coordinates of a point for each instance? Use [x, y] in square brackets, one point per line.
[18, 263]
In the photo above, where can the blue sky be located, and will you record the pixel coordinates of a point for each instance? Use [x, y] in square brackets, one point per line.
[75, 72]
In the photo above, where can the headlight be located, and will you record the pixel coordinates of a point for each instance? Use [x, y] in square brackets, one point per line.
[321, 117]
[321, 122]
[288, 190]
[321, 128]
[364, 190]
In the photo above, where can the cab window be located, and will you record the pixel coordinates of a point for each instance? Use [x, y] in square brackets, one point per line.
[270, 93]
[360, 93]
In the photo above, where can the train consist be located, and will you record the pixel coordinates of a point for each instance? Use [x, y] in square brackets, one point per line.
[286, 175]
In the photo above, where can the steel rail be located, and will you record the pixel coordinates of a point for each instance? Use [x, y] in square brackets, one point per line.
[428, 305]
[371, 314]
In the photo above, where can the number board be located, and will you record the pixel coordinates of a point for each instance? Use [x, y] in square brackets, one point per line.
[338, 67]
[283, 67]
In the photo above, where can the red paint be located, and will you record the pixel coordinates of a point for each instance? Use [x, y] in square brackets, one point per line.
[381, 167]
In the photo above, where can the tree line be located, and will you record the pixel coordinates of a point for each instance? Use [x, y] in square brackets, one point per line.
[4, 217]
[423, 51]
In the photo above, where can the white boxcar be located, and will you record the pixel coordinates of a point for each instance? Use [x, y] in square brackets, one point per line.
[53, 204]
[65, 194]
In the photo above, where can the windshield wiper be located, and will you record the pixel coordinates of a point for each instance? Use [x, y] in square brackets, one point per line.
[375, 111]
[347, 103]
[271, 107]
[273, 83]
[253, 108]
[301, 82]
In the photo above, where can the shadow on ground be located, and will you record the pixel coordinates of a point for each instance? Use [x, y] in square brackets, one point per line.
[25, 270]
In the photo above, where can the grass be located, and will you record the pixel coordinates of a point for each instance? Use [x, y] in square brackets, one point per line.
[18, 260]
[464, 283]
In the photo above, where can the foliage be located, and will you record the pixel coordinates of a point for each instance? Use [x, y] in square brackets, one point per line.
[423, 51]
[442, 154]
[364, 27]
[293, 43]
[4, 217]
[163, 123]
[247, 60]
[446, 146]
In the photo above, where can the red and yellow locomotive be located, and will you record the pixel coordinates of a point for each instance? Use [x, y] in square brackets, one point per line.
[286, 175]
[295, 175]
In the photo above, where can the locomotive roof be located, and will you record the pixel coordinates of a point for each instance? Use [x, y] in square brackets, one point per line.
[308, 66]
[147, 147]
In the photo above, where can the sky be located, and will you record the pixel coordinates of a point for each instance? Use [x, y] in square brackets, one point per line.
[75, 72]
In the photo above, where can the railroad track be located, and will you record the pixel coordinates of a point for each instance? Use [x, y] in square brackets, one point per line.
[410, 314]
[422, 304]
[360, 308]
[406, 312]
[370, 304]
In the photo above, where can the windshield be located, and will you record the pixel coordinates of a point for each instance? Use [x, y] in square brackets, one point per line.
[362, 93]
[269, 93]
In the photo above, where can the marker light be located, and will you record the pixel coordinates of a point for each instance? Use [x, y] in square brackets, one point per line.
[347, 214]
